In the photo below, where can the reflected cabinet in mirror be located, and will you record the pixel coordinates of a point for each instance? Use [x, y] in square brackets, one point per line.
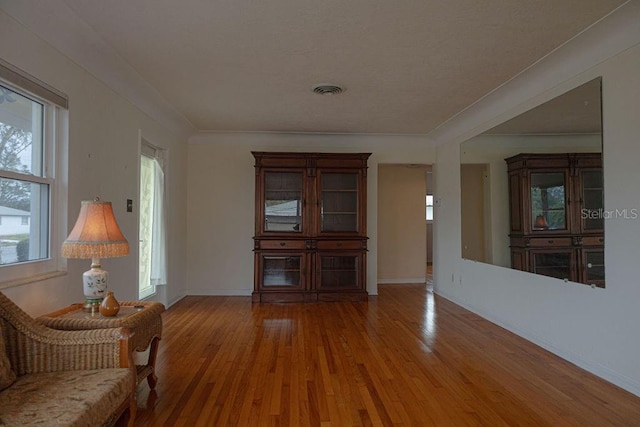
[533, 193]
[548, 204]
[550, 229]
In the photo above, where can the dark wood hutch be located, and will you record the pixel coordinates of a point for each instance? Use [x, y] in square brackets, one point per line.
[556, 216]
[310, 239]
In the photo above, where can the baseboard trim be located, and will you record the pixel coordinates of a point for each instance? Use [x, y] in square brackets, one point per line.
[403, 281]
[220, 292]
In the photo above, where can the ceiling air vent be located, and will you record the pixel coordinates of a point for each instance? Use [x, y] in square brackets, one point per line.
[326, 89]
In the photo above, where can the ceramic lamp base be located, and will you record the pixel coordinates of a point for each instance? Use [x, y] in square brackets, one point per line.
[94, 282]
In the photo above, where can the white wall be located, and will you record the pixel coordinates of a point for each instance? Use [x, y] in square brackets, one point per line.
[103, 161]
[221, 199]
[594, 328]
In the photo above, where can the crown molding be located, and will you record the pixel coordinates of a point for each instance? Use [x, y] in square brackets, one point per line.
[207, 137]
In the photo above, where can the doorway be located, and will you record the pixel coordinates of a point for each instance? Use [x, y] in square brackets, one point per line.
[429, 204]
[404, 243]
[152, 268]
[474, 217]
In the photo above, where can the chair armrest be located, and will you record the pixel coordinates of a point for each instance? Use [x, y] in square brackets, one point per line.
[33, 348]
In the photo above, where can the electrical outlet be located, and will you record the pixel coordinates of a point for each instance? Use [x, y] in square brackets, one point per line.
[129, 205]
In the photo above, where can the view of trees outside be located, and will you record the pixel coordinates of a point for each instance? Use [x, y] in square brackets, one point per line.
[14, 143]
[549, 202]
[15, 156]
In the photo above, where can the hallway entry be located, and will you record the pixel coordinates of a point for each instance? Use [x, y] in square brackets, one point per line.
[405, 221]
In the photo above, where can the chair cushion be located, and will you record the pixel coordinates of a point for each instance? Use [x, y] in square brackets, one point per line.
[7, 376]
[66, 398]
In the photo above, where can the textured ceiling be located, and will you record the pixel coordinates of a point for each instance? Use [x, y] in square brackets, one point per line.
[406, 66]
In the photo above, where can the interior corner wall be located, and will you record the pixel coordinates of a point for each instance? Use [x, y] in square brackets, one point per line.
[221, 199]
[402, 227]
[591, 327]
[103, 161]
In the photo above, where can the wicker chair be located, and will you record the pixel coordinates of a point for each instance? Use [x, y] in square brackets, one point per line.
[69, 378]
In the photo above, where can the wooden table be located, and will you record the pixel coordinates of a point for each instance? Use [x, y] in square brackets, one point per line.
[142, 319]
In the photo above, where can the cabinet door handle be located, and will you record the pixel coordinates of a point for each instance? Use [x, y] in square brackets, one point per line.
[549, 241]
[283, 244]
[601, 239]
[589, 265]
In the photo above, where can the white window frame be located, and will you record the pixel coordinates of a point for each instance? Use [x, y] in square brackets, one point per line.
[54, 174]
[427, 206]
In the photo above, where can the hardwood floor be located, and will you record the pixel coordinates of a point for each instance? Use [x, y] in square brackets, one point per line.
[405, 358]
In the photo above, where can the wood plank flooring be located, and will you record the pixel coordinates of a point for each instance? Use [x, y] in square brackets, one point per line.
[404, 358]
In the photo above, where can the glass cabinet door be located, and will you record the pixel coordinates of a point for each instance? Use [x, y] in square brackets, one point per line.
[283, 271]
[338, 272]
[593, 267]
[548, 201]
[338, 202]
[592, 198]
[557, 264]
[283, 201]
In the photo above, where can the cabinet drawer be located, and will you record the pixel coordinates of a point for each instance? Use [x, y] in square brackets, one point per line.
[593, 240]
[550, 242]
[282, 244]
[339, 244]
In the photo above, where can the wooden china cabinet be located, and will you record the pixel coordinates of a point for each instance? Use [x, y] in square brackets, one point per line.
[556, 212]
[310, 239]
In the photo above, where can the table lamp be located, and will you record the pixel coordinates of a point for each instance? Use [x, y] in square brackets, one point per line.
[95, 235]
[541, 222]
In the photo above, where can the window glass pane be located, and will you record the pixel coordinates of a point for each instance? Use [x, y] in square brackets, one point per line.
[282, 271]
[20, 133]
[555, 264]
[548, 201]
[593, 200]
[283, 201]
[429, 213]
[339, 181]
[429, 206]
[146, 225]
[152, 226]
[338, 271]
[24, 228]
[339, 202]
[595, 265]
